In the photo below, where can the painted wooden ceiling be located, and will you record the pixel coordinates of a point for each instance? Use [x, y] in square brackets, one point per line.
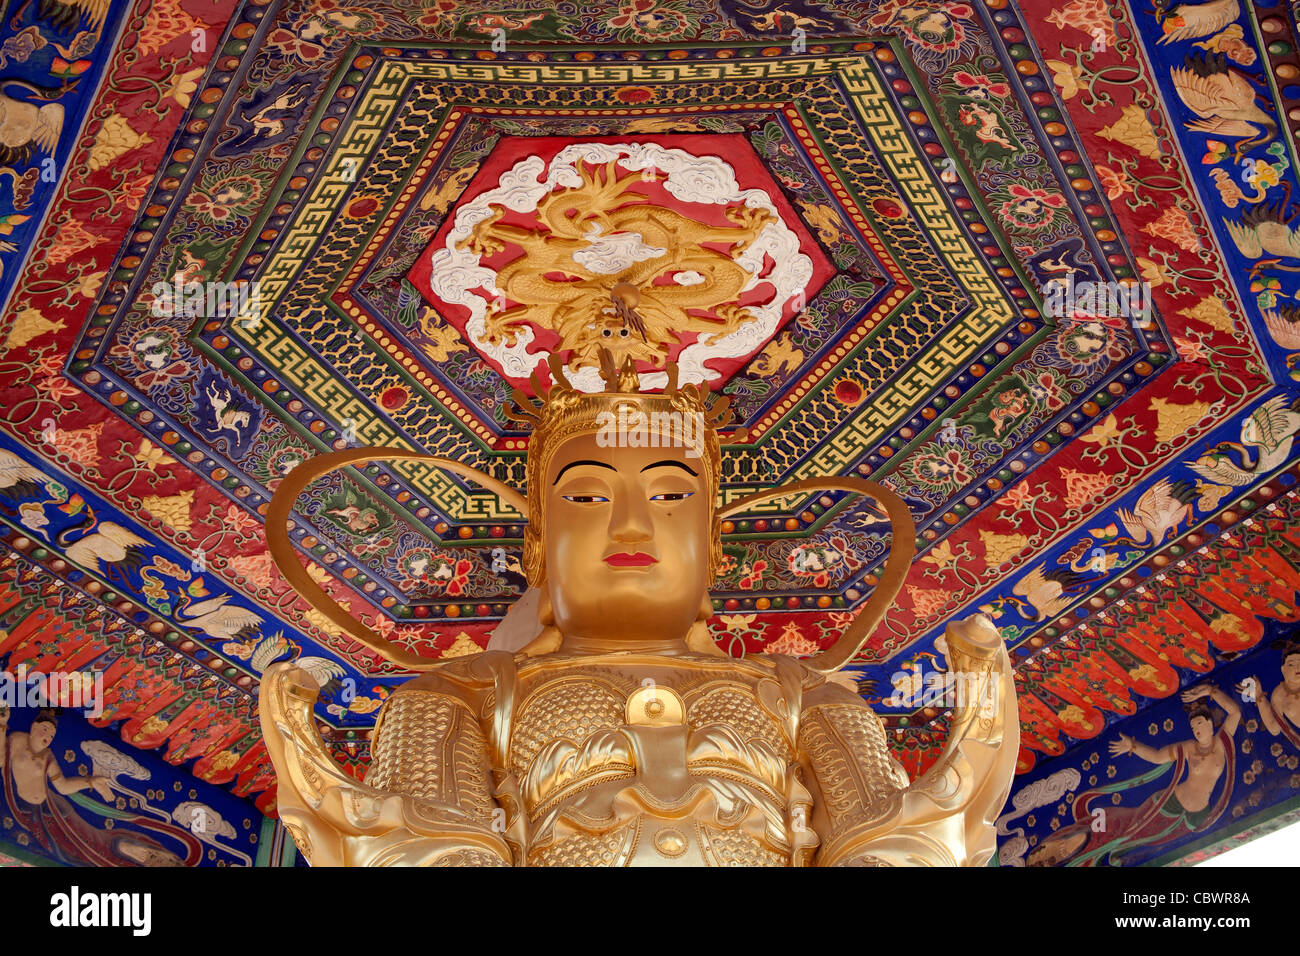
[921, 182]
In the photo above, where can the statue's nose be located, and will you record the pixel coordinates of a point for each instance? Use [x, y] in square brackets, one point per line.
[630, 521]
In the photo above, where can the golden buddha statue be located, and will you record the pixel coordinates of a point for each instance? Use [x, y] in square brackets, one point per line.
[621, 735]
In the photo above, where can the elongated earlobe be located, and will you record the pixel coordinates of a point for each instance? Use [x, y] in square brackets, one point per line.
[545, 612]
[715, 555]
[534, 556]
[698, 638]
[549, 638]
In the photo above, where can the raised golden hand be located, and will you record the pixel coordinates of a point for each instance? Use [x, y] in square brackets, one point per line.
[946, 816]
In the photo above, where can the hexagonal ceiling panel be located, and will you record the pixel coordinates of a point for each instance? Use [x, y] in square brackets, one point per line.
[549, 228]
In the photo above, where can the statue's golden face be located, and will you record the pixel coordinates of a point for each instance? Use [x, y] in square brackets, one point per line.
[626, 540]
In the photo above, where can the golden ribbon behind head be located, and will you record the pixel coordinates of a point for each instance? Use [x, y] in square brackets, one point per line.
[850, 643]
[282, 552]
[902, 550]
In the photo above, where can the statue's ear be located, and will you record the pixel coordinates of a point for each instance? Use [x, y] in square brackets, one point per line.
[549, 638]
[545, 612]
[529, 626]
[698, 638]
[534, 558]
[715, 554]
[522, 623]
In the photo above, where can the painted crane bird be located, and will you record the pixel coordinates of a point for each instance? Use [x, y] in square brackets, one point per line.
[1284, 325]
[18, 480]
[64, 15]
[1046, 592]
[1158, 512]
[119, 550]
[1225, 101]
[1191, 21]
[1268, 431]
[26, 128]
[215, 616]
[1268, 230]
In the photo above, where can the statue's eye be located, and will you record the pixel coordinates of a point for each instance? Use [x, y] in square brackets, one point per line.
[586, 499]
[672, 496]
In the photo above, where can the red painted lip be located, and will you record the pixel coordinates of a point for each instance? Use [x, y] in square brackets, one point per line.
[625, 560]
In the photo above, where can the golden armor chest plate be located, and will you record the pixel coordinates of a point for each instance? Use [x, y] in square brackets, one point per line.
[687, 767]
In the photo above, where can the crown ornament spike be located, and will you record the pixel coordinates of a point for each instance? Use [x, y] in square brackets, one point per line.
[522, 408]
[719, 412]
[628, 379]
[558, 378]
[618, 377]
[607, 370]
[671, 369]
[625, 298]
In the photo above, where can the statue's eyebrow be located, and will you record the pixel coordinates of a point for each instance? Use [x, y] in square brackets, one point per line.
[575, 464]
[674, 464]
